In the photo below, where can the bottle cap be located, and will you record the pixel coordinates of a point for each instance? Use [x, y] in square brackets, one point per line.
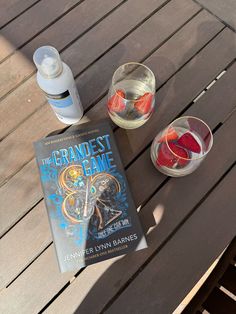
[48, 61]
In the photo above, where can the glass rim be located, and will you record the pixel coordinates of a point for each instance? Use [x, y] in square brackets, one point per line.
[131, 63]
[195, 118]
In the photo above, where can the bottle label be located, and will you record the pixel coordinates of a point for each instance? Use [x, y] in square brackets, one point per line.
[60, 100]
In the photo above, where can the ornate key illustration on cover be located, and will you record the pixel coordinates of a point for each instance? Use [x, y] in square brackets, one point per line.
[89, 198]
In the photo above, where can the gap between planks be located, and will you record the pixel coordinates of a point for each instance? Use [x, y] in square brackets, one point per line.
[42, 30]
[215, 16]
[61, 50]
[19, 14]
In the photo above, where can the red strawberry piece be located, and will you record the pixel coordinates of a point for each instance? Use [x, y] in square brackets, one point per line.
[181, 153]
[116, 102]
[201, 129]
[165, 156]
[169, 135]
[172, 156]
[144, 103]
[188, 141]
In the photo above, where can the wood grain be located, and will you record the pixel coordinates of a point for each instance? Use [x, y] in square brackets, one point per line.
[88, 80]
[30, 285]
[19, 195]
[22, 204]
[180, 91]
[159, 227]
[10, 166]
[33, 289]
[12, 8]
[181, 263]
[31, 235]
[167, 59]
[174, 213]
[24, 27]
[176, 59]
[225, 10]
[27, 98]
[100, 37]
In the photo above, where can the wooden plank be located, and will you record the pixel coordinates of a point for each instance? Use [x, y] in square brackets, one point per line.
[176, 199]
[21, 133]
[220, 267]
[179, 12]
[32, 235]
[12, 8]
[225, 10]
[228, 280]
[100, 37]
[29, 94]
[219, 303]
[30, 23]
[167, 59]
[28, 285]
[69, 26]
[186, 256]
[19, 207]
[19, 195]
[72, 25]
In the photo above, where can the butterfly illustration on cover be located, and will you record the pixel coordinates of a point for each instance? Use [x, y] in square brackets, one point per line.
[89, 198]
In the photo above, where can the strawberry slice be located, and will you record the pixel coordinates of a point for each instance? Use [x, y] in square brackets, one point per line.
[169, 135]
[165, 156]
[188, 141]
[201, 129]
[181, 153]
[168, 159]
[144, 103]
[116, 102]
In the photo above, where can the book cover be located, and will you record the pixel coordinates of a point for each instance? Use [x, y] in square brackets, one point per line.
[90, 208]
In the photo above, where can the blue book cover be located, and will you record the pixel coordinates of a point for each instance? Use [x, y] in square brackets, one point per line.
[90, 208]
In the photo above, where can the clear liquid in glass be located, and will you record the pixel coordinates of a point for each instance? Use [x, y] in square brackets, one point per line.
[130, 117]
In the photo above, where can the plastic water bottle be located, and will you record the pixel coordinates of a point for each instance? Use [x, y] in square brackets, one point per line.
[55, 78]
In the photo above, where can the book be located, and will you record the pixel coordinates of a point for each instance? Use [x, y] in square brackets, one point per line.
[91, 212]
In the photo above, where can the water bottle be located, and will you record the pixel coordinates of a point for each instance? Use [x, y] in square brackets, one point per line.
[56, 80]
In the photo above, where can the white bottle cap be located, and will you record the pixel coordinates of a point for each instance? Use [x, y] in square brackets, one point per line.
[48, 61]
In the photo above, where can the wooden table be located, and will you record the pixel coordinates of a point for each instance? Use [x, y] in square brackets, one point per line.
[188, 221]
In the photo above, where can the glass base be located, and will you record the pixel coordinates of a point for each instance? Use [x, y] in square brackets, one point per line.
[128, 124]
[175, 173]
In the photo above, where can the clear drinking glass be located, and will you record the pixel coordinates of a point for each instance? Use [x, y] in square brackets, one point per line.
[131, 95]
[180, 148]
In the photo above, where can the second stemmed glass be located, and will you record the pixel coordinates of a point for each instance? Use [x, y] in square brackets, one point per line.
[131, 96]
